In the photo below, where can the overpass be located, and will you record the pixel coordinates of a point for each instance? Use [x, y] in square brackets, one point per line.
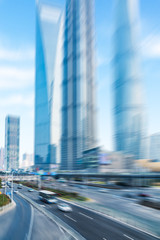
[83, 176]
[109, 175]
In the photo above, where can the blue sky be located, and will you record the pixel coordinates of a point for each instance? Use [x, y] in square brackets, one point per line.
[17, 51]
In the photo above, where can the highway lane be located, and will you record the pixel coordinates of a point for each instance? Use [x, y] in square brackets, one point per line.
[26, 223]
[15, 223]
[123, 205]
[90, 225]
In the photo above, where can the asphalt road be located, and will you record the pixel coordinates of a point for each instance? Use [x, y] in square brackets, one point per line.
[120, 205]
[15, 223]
[90, 225]
[26, 223]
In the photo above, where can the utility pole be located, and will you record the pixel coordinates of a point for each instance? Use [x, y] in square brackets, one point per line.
[39, 182]
[5, 182]
[12, 187]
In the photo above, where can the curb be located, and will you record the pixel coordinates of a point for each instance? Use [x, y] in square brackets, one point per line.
[7, 207]
[55, 219]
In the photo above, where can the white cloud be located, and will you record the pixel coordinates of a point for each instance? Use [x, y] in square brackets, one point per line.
[19, 100]
[151, 46]
[7, 54]
[16, 78]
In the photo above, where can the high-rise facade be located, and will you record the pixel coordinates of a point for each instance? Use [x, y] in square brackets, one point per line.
[12, 132]
[47, 82]
[155, 146]
[2, 157]
[128, 91]
[78, 83]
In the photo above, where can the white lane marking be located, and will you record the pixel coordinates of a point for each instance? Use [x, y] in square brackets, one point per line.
[31, 223]
[86, 215]
[108, 217]
[70, 218]
[128, 237]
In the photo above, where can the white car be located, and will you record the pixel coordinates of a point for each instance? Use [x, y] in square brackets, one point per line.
[30, 190]
[102, 190]
[15, 191]
[64, 207]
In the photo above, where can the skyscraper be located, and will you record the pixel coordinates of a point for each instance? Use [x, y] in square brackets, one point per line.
[128, 90]
[155, 146]
[12, 131]
[2, 157]
[47, 82]
[78, 83]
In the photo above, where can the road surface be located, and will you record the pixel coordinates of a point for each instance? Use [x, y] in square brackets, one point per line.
[26, 223]
[90, 225]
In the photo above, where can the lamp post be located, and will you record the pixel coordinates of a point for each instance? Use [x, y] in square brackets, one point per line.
[12, 187]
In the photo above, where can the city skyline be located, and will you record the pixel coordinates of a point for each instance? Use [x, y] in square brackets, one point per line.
[17, 56]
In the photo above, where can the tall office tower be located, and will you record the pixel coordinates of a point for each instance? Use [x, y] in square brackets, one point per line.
[47, 82]
[12, 131]
[78, 83]
[128, 90]
[155, 146]
[2, 157]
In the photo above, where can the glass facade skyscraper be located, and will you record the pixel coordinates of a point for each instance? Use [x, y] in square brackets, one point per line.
[47, 81]
[78, 84]
[155, 146]
[12, 129]
[128, 90]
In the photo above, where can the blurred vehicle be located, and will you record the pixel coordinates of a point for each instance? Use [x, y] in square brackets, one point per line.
[71, 185]
[62, 180]
[102, 190]
[144, 195]
[64, 207]
[81, 186]
[30, 190]
[15, 191]
[129, 195]
[47, 196]
[19, 186]
[3, 185]
[9, 184]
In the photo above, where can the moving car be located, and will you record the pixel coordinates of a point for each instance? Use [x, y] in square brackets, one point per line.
[15, 191]
[30, 190]
[102, 190]
[19, 186]
[64, 207]
[144, 195]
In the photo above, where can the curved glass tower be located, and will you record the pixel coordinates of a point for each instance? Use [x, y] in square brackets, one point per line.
[48, 25]
[78, 84]
[128, 91]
